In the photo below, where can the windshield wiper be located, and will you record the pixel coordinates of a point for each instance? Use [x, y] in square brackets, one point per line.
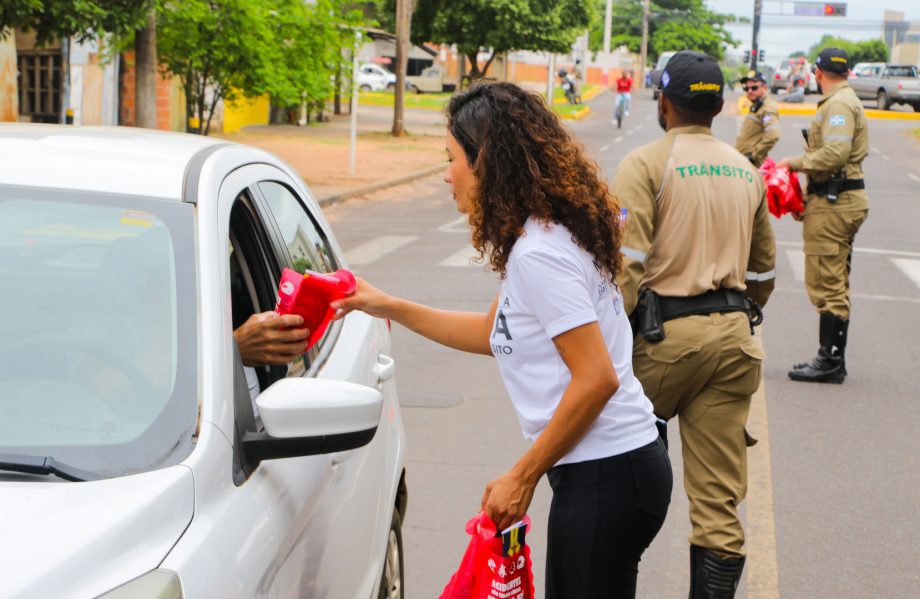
[33, 464]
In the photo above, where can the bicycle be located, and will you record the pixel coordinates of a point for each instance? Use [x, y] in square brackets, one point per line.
[620, 110]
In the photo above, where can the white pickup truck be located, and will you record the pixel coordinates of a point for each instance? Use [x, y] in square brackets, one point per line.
[433, 79]
[887, 84]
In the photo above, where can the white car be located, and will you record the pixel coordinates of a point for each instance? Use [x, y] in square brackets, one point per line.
[373, 77]
[135, 460]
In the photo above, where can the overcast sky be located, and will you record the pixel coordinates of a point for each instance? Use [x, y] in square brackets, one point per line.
[781, 35]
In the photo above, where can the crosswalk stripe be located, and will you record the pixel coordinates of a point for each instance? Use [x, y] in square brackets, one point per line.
[911, 268]
[376, 248]
[462, 258]
[797, 261]
[458, 225]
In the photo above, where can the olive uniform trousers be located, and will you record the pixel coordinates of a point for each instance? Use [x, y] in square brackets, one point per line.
[705, 372]
[828, 244]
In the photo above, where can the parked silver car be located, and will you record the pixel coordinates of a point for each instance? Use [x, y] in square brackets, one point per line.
[887, 84]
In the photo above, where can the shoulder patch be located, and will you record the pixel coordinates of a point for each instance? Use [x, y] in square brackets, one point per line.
[766, 119]
[837, 119]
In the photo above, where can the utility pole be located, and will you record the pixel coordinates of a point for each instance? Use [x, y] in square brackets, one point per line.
[608, 18]
[643, 51]
[403, 25]
[755, 38]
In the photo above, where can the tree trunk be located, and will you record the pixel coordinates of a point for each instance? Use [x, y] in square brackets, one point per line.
[337, 99]
[475, 73]
[403, 24]
[145, 61]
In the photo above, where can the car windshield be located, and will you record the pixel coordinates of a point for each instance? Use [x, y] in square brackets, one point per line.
[98, 355]
[663, 59]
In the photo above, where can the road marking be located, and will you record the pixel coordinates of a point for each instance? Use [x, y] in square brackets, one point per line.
[797, 261]
[876, 150]
[630, 132]
[861, 250]
[911, 268]
[618, 140]
[458, 225]
[604, 148]
[462, 258]
[885, 157]
[648, 118]
[856, 296]
[914, 177]
[760, 535]
[376, 248]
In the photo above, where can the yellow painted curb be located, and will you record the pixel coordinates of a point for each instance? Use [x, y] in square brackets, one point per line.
[577, 116]
[871, 113]
[591, 93]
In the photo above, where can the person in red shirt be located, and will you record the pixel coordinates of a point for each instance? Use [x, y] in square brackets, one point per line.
[624, 89]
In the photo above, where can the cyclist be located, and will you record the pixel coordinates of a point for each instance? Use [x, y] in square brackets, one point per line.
[624, 93]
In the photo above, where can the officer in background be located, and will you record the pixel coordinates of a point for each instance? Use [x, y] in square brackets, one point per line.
[760, 128]
[836, 204]
[698, 249]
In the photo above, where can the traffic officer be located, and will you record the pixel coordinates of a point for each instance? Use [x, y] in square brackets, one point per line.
[836, 204]
[698, 249]
[760, 127]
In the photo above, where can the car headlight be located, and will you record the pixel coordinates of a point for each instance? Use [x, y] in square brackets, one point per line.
[157, 584]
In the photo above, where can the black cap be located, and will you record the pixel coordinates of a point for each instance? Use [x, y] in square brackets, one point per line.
[690, 75]
[753, 76]
[833, 60]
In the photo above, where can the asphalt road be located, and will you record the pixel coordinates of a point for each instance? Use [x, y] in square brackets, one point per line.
[832, 509]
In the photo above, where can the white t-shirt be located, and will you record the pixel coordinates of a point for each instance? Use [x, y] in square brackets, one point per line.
[552, 286]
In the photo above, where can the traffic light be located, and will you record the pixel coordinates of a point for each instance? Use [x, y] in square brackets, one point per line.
[761, 56]
[747, 56]
[835, 9]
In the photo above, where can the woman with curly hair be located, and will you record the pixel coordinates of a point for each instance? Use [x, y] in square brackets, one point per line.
[548, 225]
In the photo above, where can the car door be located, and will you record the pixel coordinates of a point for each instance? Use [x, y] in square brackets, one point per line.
[354, 349]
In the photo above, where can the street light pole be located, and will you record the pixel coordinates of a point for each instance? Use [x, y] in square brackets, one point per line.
[608, 18]
[755, 38]
[353, 133]
[643, 51]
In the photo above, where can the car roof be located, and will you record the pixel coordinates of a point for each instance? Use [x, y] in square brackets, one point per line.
[123, 160]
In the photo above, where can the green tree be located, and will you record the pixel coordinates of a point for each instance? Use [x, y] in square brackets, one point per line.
[500, 26]
[673, 25]
[80, 19]
[864, 51]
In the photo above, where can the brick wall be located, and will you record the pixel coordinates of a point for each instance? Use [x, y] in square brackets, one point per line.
[127, 101]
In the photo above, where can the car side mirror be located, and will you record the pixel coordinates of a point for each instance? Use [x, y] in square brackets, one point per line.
[307, 416]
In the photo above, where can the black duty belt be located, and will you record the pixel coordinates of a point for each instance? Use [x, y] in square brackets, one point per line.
[847, 185]
[718, 300]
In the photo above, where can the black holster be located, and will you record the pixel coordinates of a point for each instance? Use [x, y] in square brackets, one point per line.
[647, 317]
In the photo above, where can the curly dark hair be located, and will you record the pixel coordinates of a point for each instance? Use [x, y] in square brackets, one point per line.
[526, 165]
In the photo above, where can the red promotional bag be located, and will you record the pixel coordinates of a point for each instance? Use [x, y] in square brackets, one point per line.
[493, 566]
[310, 294]
[784, 194]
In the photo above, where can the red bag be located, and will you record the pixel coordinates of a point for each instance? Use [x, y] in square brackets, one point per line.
[310, 294]
[784, 194]
[493, 567]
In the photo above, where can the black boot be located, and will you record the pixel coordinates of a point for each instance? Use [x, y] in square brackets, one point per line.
[711, 576]
[829, 365]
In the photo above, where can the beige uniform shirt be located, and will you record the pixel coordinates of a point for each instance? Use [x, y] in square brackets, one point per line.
[759, 131]
[695, 219]
[838, 138]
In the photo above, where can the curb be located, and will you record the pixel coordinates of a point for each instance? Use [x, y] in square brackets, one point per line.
[341, 196]
[577, 116]
[810, 109]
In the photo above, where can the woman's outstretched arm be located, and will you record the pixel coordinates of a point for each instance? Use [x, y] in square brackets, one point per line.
[466, 331]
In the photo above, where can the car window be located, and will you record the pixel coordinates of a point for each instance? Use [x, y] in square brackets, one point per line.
[98, 355]
[305, 241]
[904, 71]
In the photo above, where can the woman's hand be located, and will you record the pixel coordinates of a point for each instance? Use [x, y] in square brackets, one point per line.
[367, 299]
[507, 498]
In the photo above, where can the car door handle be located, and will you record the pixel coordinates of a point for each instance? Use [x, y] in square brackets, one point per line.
[385, 368]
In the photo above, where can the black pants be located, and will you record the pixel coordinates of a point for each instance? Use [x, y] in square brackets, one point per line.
[603, 515]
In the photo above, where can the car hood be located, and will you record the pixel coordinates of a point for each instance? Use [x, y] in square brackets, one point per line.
[80, 539]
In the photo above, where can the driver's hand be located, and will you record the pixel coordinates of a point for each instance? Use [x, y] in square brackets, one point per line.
[270, 339]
